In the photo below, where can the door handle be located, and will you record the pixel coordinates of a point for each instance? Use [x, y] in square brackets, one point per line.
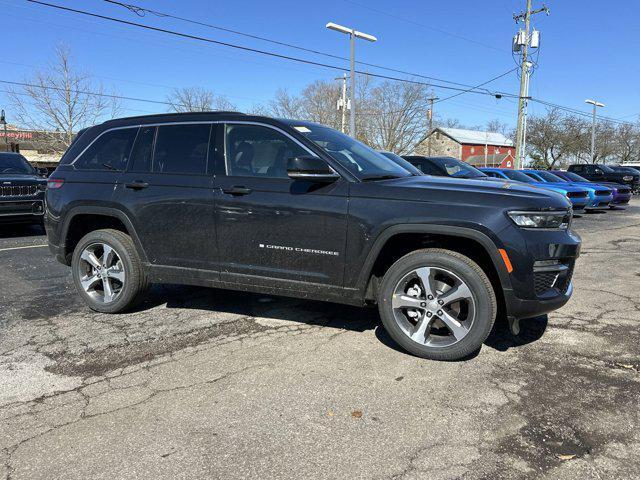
[237, 190]
[136, 185]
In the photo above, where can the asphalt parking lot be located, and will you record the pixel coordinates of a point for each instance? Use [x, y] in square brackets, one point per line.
[202, 383]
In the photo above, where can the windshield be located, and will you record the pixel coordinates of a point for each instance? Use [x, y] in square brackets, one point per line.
[605, 168]
[16, 164]
[518, 176]
[574, 177]
[362, 161]
[402, 162]
[550, 177]
[457, 168]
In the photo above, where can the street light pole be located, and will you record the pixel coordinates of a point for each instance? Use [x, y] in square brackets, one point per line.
[352, 45]
[593, 127]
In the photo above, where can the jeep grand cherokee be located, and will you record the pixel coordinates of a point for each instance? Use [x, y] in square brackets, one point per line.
[294, 208]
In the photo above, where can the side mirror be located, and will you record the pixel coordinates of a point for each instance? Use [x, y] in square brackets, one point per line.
[310, 168]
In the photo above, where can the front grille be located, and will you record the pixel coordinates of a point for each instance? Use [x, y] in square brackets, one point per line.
[559, 280]
[18, 190]
[624, 191]
[602, 192]
[577, 194]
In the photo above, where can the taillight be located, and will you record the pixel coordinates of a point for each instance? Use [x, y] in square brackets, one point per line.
[54, 183]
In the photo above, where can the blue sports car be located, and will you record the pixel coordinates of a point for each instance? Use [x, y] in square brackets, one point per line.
[579, 196]
[599, 196]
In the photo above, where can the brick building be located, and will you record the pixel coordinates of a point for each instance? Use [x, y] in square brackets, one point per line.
[491, 149]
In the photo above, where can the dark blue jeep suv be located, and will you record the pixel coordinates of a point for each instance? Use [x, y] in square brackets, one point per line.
[294, 208]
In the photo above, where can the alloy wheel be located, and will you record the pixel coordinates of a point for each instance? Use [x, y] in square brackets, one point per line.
[434, 307]
[101, 272]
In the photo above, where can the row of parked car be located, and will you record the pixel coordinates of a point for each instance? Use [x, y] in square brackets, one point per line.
[597, 187]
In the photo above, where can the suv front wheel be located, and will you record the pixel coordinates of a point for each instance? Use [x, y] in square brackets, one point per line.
[107, 271]
[437, 304]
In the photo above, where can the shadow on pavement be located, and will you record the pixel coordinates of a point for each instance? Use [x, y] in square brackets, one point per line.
[325, 314]
[247, 304]
[21, 230]
[531, 330]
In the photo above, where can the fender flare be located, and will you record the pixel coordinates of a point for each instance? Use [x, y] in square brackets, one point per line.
[454, 231]
[107, 212]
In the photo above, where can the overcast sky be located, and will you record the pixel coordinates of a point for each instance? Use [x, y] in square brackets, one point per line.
[588, 48]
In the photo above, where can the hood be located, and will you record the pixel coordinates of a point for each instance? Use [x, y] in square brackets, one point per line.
[473, 192]
[612, 185]
[13, 179]
[592, 186]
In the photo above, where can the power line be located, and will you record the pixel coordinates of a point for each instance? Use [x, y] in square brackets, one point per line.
[300, 60]
[430, 27]
[477, 86]
[141, 11]
[84, 92]
[253, 50]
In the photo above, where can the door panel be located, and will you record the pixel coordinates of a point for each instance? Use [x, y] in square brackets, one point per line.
[270, 226]
[172, 206]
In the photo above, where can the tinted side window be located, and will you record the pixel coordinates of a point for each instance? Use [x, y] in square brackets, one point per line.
[109, 152]
[576, 168]
[257, 151]
[427, 168]
[181, 149]
[142, 150]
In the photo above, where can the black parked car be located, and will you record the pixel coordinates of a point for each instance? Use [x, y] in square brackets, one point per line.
[21, 190]
[294, 208]
[447, 167]
[598, 173]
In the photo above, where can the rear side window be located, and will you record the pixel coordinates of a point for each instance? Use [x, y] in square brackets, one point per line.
[142, 150]
[182, 149]
[110, 151]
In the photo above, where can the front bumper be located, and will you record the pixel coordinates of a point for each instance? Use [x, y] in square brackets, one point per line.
[21, 210]
[600, 202]
[621, 199]
[522, 308]
[541, 280]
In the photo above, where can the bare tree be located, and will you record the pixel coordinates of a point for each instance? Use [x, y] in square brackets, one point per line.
[197, 99]
[60, 100]
[627, 143]
[545, 138]
[396, 116]
[496, 125]
[389, 116]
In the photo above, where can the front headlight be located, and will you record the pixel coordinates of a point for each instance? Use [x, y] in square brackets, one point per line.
[627, 178]
[549, 220]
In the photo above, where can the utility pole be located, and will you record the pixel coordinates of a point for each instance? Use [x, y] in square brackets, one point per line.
[593, 127]
[343, 103]
[3, 121]
[353, 34]
[430, 115]
[521, 43]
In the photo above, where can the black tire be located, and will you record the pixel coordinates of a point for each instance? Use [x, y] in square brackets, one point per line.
[469, 272]
[136, 283]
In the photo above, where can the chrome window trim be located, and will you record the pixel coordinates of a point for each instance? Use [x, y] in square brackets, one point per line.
[209, 122]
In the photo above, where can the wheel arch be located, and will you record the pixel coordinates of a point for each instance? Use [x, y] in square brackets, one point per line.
[82, 219]
[398, 240]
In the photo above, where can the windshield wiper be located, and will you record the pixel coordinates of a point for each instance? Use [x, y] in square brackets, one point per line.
[372, 177]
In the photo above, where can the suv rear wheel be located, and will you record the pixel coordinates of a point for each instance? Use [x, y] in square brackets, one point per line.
[107, 271]
[437, 304]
